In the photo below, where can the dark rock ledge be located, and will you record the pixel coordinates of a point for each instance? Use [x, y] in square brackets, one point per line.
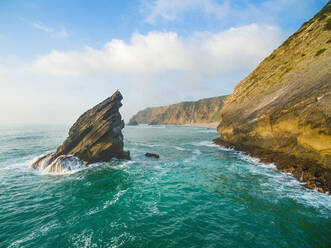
[315, 177]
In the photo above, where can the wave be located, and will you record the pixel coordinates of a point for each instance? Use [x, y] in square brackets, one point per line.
[197, 152]
[144, 144]
[209, 143]
[194, 156]
[108, 203]
[115, 199]
[255, 161]
[204, 143]
[63, 164]
[208, 131]
[285, 184]
[123, 164]
[180, 148]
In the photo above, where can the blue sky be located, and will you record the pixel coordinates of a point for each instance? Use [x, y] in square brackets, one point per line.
[58, 58]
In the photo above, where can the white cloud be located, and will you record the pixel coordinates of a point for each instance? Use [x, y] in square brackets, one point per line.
[151, 69]
[170, 9]
[158, 53]
[63, 33]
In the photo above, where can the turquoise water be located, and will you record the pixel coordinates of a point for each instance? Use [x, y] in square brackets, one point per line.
[195, 195]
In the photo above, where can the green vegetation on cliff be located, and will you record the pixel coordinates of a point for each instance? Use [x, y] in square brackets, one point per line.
[203, 112]
[282, 110]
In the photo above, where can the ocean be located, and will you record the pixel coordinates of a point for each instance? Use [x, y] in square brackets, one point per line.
[196, 195]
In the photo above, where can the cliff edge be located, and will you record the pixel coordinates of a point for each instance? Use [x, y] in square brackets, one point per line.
[281, 112]
[202, 112]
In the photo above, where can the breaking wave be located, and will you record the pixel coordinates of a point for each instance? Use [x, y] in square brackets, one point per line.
[64, 164]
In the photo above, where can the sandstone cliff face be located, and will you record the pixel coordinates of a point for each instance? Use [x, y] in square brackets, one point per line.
[202, 112]
[95, 137]
[284, 106]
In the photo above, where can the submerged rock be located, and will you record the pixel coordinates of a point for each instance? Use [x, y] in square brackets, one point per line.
[152, 155]
[95, 137]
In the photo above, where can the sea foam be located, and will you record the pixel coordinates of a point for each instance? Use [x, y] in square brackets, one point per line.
[63, 164]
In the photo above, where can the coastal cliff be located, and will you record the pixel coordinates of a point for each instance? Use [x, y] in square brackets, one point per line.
[281, 112]
[202, 112]
[95, 137]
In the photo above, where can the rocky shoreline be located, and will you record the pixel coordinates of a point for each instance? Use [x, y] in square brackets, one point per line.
[281, 111]
[315, 177]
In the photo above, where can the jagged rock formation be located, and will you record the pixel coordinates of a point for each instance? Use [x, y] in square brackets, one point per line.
[95, 137]
[202, 112]
[281, 112]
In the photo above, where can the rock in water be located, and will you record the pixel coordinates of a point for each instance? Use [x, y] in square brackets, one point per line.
[152, 155]
[95, 137]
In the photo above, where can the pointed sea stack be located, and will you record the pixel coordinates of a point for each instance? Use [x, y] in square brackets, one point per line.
[95, 137]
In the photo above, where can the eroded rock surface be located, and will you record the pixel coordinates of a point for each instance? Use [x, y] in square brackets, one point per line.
[281, 112]
[95, 137]
[202, 112]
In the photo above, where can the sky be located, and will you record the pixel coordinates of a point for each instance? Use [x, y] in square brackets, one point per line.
[60, 58]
